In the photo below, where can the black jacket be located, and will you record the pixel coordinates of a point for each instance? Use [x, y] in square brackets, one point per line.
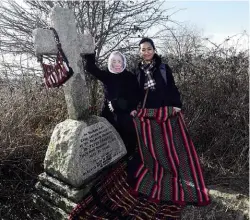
[121, 89]
[165, 94]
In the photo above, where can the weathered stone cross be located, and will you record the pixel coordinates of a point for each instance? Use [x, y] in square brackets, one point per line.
[78, 149]
[73, 44]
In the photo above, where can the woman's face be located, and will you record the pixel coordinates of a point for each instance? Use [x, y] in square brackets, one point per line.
[117, 63]
[147, 51]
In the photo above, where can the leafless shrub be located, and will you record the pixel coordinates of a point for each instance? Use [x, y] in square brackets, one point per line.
[214, 87]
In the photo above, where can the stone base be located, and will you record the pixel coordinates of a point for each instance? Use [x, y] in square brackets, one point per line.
[50, 211]
[63, 189]
[56, 199]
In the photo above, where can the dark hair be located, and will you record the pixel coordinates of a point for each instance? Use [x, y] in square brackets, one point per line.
[146, 39]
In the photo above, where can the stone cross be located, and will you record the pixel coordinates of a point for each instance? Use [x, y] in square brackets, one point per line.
[73, 45]
[81, 149]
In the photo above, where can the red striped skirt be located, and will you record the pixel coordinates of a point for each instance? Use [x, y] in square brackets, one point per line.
[169, 169]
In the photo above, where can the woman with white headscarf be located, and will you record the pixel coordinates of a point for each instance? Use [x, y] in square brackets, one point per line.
[120, 92]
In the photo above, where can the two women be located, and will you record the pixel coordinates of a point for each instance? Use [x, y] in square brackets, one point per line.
[164, 174]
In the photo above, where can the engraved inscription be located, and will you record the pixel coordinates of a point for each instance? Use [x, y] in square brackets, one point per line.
[98, 147]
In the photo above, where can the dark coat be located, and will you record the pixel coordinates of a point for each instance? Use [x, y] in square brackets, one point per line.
[165, 94]
[123, 91]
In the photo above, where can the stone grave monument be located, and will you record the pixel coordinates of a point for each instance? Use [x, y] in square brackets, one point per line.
[81, 146]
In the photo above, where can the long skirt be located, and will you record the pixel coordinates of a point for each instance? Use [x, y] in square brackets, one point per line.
[156, 182]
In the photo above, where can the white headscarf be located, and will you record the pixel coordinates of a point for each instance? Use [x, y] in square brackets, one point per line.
[116, 55]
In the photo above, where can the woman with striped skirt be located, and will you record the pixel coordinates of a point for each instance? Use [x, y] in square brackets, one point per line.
[167, 169]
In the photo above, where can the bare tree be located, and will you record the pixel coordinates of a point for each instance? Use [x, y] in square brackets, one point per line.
[182, 41]
[181, 46]
[113, 24]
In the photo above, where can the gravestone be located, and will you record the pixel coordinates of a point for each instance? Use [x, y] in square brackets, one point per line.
[81, 148]
[77, 149]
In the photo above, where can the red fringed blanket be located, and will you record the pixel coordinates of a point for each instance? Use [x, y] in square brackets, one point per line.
[169, 169]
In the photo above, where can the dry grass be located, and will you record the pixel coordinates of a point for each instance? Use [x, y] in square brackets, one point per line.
[28, 117]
